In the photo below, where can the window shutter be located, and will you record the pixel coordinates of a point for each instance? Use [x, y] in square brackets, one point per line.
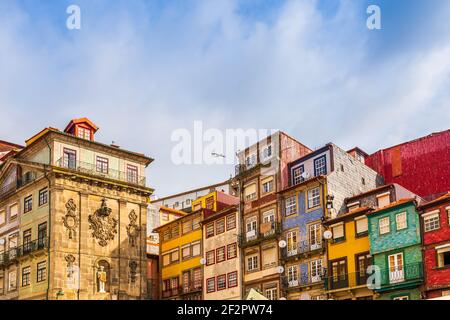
[361, 225]
[338, 231]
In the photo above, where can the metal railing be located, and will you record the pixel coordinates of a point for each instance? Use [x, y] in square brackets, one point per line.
[25, 249]
[92, 169]
[192, 287]
[304, 279]
[9, 256]
[172, 292]
[255, 236]
[19, 183]
[302, 247]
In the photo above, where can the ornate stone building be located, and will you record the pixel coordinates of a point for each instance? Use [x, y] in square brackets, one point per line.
[81, 208]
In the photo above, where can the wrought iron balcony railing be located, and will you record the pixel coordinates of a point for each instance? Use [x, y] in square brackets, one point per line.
[193, 287]
[271, 230]
[10, 256]
[93, 169]
[302, 247]
[21, 182]
[172, 292]
[33, 246]
[303, 279]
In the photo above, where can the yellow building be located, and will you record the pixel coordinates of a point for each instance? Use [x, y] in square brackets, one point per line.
[348, 256]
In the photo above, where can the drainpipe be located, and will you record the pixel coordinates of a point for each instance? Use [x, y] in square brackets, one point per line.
[49, 216]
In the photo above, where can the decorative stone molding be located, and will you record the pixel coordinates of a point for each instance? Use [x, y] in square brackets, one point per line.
[133, 266]
[70, 220]
[133, 228]
[103, 225]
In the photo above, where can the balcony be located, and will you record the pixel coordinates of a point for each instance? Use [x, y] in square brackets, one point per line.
[34, 246]
[9, 257]
[267, 231]
[191, 288]
[304, 247]
[19, 183]
[303, 280]
[172, 292]
[346, 280]
[91, 169]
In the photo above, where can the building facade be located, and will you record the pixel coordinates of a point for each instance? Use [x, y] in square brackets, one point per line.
[395, 245]
[81, 210]
[418, 165]
[262, 171]
[435, 216]
[349, 249]
[222, 268]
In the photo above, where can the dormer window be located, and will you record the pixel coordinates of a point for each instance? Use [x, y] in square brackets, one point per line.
[83, 133]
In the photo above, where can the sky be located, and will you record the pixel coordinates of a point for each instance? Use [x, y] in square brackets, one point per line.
[142, 69]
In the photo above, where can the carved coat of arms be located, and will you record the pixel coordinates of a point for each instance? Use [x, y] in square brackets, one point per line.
[103, 225]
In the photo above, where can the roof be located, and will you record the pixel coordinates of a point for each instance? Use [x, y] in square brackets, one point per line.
[7, 146]
[444, 198]
[221, 213]
[312, 154]
[386, 186]
[177, 220]
[353, 213]
[321, 177]
[358, 149]
[173, 211]
[80, 120]
[193, 190]
[394, 204]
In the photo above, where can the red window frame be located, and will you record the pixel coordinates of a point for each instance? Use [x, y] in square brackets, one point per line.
[206, 230]
[207, 286]
[228, 279]
[224, 254]
[224, 226]
[235, 250]
[229, 217]
[213, 255]
[225, 281]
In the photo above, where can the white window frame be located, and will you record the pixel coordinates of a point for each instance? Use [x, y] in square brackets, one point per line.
[313, 199]
[252, 263]
[316, 270]
[383, 227]
[401, 224]
[297, 174]
[290, 206]
[431, 221]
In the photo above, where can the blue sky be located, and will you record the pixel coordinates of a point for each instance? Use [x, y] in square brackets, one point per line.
[141, 69]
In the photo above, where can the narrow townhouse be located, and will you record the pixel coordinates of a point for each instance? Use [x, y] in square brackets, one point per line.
[435, 217]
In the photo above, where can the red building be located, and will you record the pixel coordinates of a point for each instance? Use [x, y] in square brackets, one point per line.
[435, 216]
[421, 165]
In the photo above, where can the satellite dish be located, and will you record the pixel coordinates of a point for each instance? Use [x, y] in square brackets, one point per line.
[280, 269]
[202, 261]
[282, 244]
[327, 234]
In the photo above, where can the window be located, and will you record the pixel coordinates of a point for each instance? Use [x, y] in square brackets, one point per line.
[401, 220]
[26, 271]
[175, 231]
[271, 294]
[267, 152]
[316, 270]
[252, 263]
[210, 230]
[209, 203]
[196, 223]
[13, 211]
[186, 278]
[443, 255]
[431, 222]
[384, 225]
[352, 206]
[267, 185]
[231, 221]
[315, 236]
[363, 261]
[221, 282]
[292, 276]
[41, 271]
[196, 248]
[338, 232]
[210, 257]
[28, 204]
[188, 202]
[174, 256]
[232, 279]
[320, 166]
[250, 192]
[197, 278]
[187, 226]
[220, 254]
[132, 174]
[176, 204]
[166, 235]
[186, 252]
[338, 274]
[165, 216]
[102, 165]
[251, 226]
[297, 175]
[292, 245]
[69, 158]
[220, 226]
[26, 241]
[383, 200]
[361, 226]
[43, 196]
[231, 251]
[83, 133]
[2, 245]
[290, 206]
[210, 285]
[166, 259]
[250, 160]
[2, 217]
[12, 280]
[396, 269]
[313, 198]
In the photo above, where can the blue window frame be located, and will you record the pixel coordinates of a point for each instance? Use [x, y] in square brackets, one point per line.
[320, 166]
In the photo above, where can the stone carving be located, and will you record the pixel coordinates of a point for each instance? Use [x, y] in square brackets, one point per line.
[103, 225]
[133, 228]
[70, 220]
[133, 266]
